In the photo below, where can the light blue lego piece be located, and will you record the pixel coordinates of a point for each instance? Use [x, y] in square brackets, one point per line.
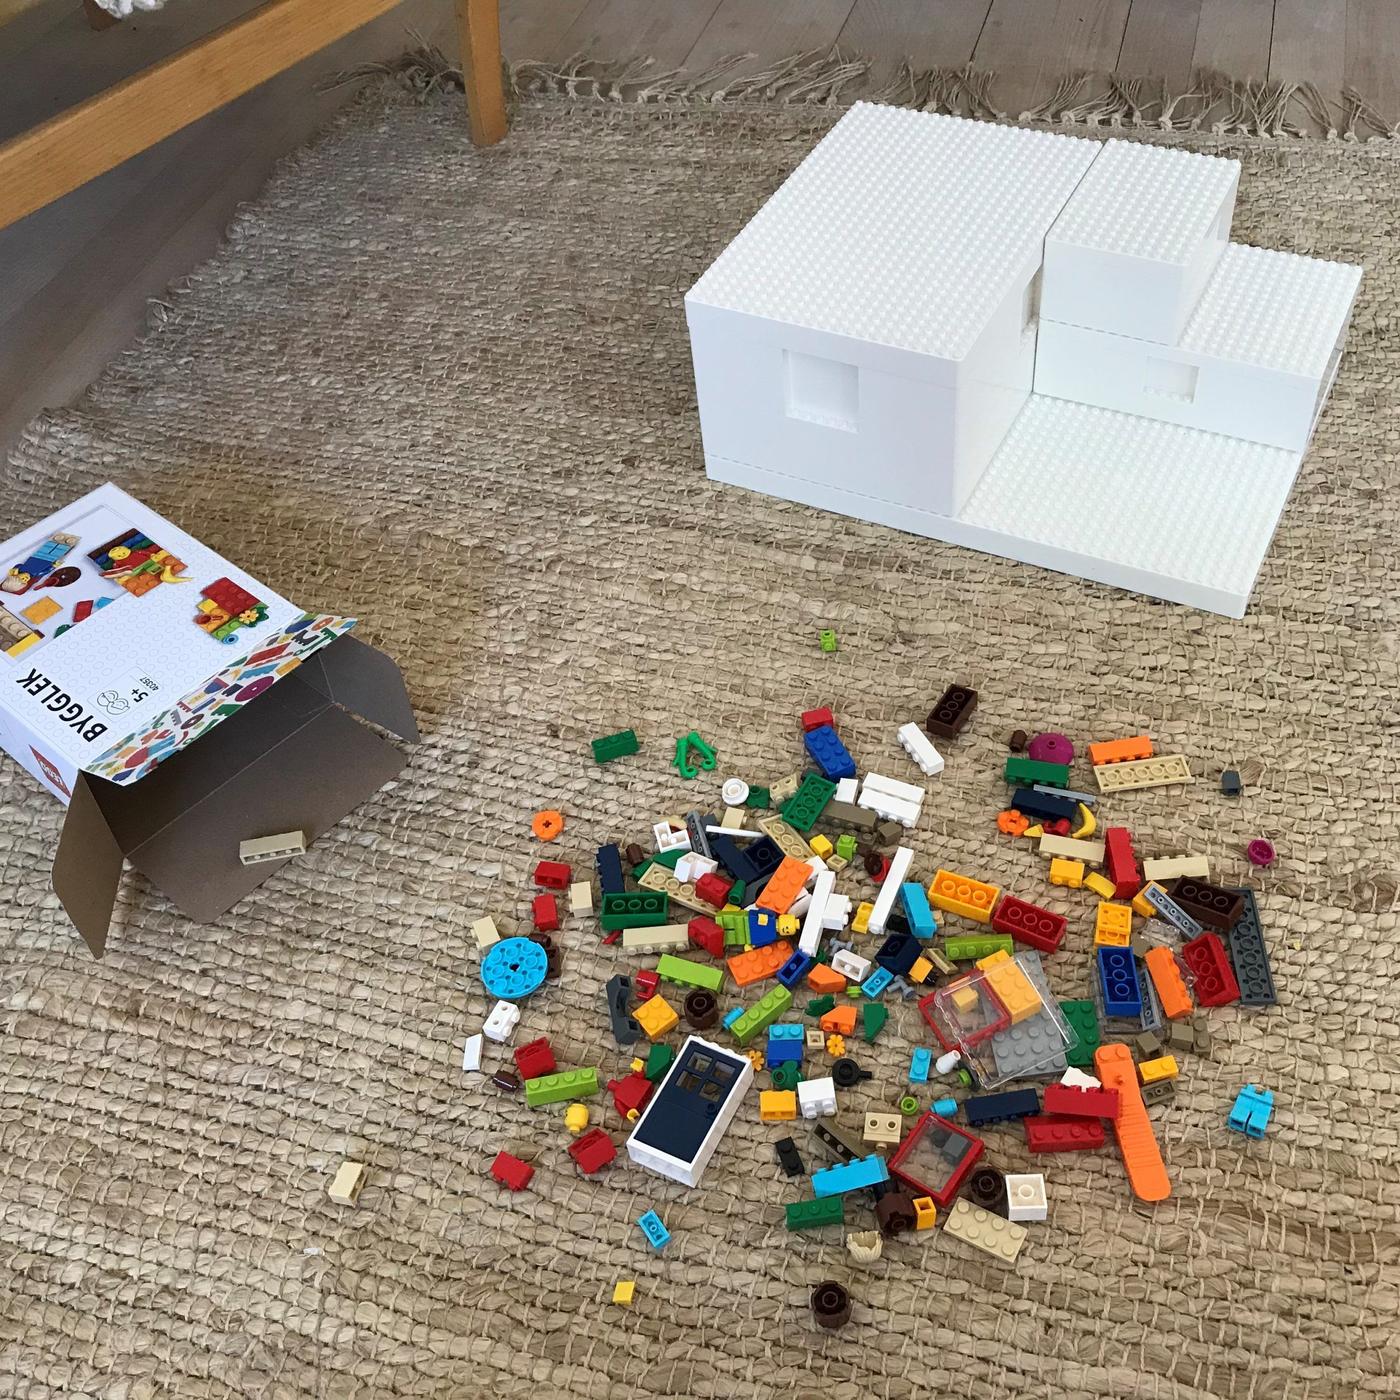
[850, 1176]
[1253, 1108]
[732, 1015]
[782, 1030]
[657, 1234]
[919, 1066]
[922, 924]
[785, 1044]
[945, 1108]
[877, 982]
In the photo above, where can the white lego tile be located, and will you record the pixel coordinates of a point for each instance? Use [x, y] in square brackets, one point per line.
[846, 789]
[1147, 506]
[1136, 243]
[471, 1053]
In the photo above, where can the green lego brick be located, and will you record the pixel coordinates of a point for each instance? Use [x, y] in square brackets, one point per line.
[689, 974]
[761, 1015]
[1084, 1022]
[846, 846]
[659, 1059]
[759, 797]
[670, 859]
[787, 1076]
[565, 1084]
[612, 746]
[634, 909]
[819, 1006]
[1026, 771]
[825, 1210]
[737, 891]
[872, 1019]
[802, 809]
[970, 947]
[735, 924]
[826, 639]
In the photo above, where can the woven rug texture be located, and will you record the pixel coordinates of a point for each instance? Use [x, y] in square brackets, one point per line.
[448, 391]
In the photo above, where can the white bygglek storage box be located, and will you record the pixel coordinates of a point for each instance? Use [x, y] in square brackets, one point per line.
[869, 343]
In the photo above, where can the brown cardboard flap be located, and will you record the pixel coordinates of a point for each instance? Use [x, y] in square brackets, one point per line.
[367, 682]
[88, 866]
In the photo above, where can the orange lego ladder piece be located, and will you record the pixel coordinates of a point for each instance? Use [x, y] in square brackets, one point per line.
[1171, 986]
[1142, 1158]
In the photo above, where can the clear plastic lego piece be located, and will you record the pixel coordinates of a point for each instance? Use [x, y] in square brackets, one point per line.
[1003, 1021]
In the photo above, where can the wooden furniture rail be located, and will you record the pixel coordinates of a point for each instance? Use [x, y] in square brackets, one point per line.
[42, 164]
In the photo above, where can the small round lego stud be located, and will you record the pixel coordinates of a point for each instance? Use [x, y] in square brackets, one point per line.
[831, 1305]
[576, 1118]
[908, 1105]
[945, 1108]
[1051, 748]
[1261, 852]
[735, 792]
[547, 824]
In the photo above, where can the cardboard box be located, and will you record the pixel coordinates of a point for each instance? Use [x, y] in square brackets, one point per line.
[122, 641]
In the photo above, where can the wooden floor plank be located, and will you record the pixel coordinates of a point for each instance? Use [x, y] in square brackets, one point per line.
[768, 29]
[538, 29]
[1373, 54]
[1233, 37]
[890, 31]
[1160, 41]
[640, 28]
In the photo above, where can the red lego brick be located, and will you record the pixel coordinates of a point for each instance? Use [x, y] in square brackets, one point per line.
[1119, 862]
[535, 1059]
[1074, 1102]
[1029, 923]
[631, 1094]
[1047, 1132]
[646, 983]
[705, 933]
[1059, 827]
[814, 719]
[1210, 965]
[553, 874]
[511, 1171]
[713, 889]
[229, 596]
[592, 1151]
[545, 911]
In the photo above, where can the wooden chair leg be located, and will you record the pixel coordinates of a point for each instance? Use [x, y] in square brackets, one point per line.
[479, 23]
[97, 17]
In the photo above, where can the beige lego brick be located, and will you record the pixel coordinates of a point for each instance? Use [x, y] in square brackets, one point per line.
[657, 877]
[349, 1182]
[661, 938]
[279, 847]
[1174, 867]
[779, 792]
[982, 1230]
[788, 841]
[581, 897]
[40, 610]
[865, 1246]
[883, 1129]
[486, 933]
[1143, 773]
[733, 819]
[1069, 848]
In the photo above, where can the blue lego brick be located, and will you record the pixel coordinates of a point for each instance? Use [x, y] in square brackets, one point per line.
[1122, 993]
[609, 862]
[657, 1234]
[1042, 806]
[945, 1108]
[920, 1066]
[763, 928]
[750, 861]
[922, 924]
[794, 970]
[826, 750]
[1253, 1108]
[785, 1044]
[899, 952]
[877, 982]
[850, 1176]
[984, 1109]
[732, 1015]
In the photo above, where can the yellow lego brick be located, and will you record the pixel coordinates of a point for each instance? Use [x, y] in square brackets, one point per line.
[925, 1213]
[40, 610]
[960, 894]
[1069, 873]
[22, 645]
[624, 1290]
[1154, 1071]
[921, 970]
[1108, 938]
[1141, 907]
[821, 846]
[965, 999]
[656, 1016]
[777, 1106]
[1011, 986]
[1113, 925]
[1101, 886]
[861, 922]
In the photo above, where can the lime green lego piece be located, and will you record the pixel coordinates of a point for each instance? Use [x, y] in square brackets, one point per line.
[825, 1210]
[970, 947]
[689, 974]
[872, 1019]
[761, 1015]
[735, 924]
[565, 1084]
[846, 846]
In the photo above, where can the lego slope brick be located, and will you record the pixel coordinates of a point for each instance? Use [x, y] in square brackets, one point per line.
[1136, 243]
[1111, 497]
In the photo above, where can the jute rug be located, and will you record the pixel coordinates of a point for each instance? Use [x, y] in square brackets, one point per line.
[449, 391]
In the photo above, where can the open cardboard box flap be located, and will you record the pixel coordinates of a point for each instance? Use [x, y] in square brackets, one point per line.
[291, 760]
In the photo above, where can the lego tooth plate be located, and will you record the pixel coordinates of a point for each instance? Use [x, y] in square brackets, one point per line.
[1168, 511]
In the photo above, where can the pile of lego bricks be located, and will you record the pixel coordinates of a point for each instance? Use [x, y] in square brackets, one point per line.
[750, 898]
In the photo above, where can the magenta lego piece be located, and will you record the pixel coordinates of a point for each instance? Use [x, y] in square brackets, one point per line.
[1261, 852]
[1051, 748]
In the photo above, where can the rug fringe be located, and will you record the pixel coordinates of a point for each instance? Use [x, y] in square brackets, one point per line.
[1213, 102]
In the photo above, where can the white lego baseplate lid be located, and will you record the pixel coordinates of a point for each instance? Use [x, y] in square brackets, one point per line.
[903, 228]
[1146, 202]
[1276, 310]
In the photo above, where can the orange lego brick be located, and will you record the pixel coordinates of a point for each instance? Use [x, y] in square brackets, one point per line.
[1012, 988]
[840, 1020]
[822, 979]
[1142, 1158]
[777, 1106]
[1171, 987]
[758, 963]
[958, 894]
[1121, 750]
[784, 885]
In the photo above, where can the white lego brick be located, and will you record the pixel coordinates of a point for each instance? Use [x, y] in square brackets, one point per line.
[846, 789]
[692, 865]
[894, 787]
[581, 897]
[810, 939]
[670, 836]
[1025, 1196]
[1142, 505]
[918, 746]
[471, 1053]
[891, 799]
[850, 965]
[900, 862]
[838, 912]
[1255, 362]
[1135, 244]
[816, 1098]
[501, 1023]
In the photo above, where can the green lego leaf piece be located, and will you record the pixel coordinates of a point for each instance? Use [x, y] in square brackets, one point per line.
[689, 974]
[1024, 772]
[659, 1059]
[819, 1006]
[787, 1076]
[761, 1015]
[705, 756]
[872, 1019]
[564, 1084]
[759, 797]
[971, 947]
[1084, 1022]
[612, 746]
[634, 909]
[670, 859]
[802, 809]
[808, 1215]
